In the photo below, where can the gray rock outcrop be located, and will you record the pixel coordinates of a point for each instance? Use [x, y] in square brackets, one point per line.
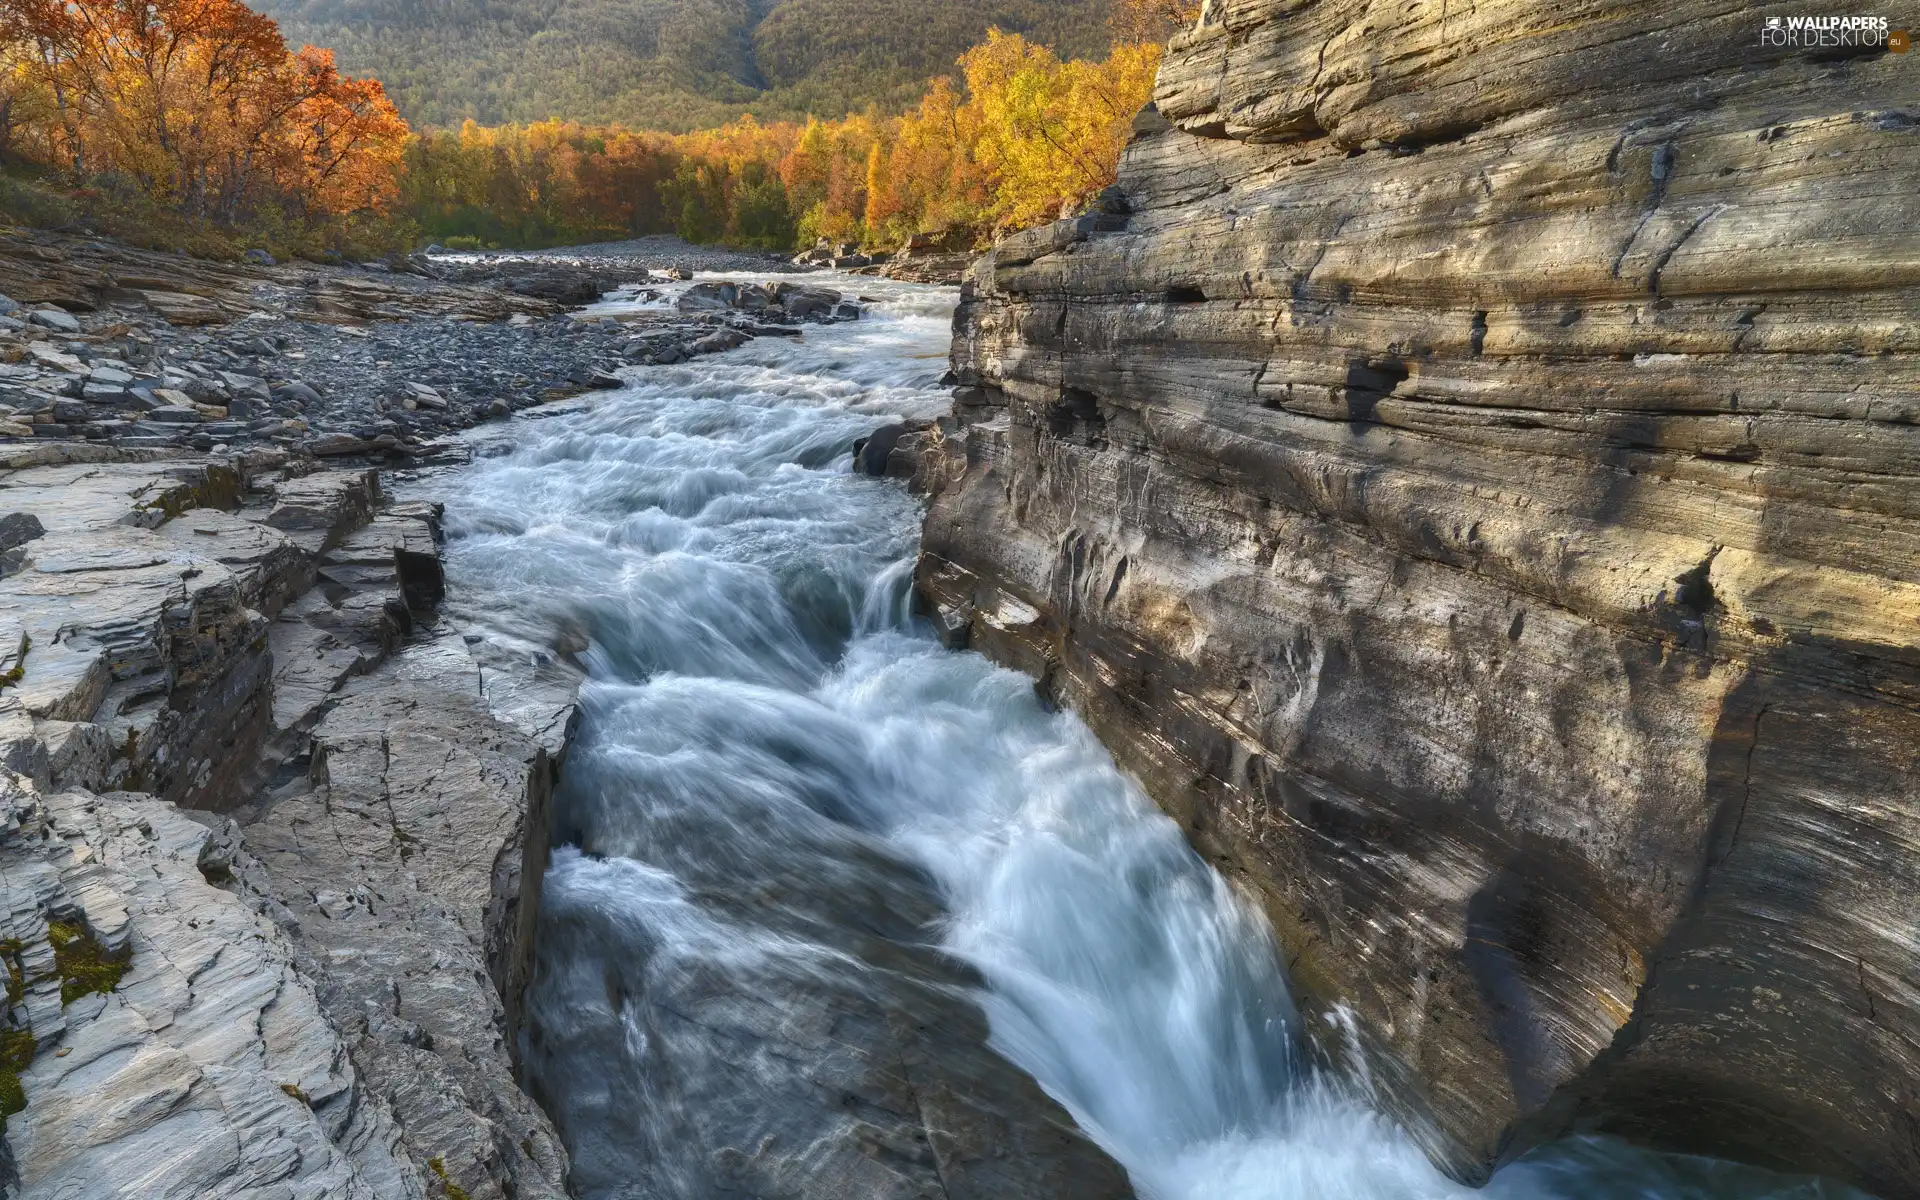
[81, 275]
[780, 302]
[208, 1069]
[1473, 486]
[317, 996]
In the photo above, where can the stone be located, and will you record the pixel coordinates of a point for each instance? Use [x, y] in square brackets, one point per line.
[425, 396]
[296, 392]
[291, 1020]
[19, 528]
[329, 445]
[209, 1066]
[239, 383]
[403, 866]
[48, 355]
[176, 414]
[709, 296]
[54, 319]
[1476, 502]
[807, 303]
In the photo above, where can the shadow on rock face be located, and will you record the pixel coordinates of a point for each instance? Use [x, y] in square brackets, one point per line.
[1780, 1006]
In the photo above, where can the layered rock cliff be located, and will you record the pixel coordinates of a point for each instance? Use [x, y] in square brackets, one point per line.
[1467, 470]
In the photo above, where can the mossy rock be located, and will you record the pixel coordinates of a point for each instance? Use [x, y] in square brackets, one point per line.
[82, 963]
[454, 1190]
[10, 949]
[17, 1048]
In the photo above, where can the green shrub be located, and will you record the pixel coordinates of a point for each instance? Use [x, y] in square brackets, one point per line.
[35, 204]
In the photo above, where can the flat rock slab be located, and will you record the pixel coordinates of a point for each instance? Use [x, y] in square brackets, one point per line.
[312, 1006]
[401, 867]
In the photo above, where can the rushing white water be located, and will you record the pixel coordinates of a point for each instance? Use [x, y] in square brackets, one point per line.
[766, 728]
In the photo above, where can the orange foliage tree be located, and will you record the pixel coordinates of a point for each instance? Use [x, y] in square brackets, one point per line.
[199, 103]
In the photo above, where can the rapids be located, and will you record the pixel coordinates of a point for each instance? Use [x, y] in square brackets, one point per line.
[779, 768]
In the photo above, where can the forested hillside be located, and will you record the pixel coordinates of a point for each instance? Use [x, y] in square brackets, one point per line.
[667, 64]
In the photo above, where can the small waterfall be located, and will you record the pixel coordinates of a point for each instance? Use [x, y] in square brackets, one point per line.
[785, 790]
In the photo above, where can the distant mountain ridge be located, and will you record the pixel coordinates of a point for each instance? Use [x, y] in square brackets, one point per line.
[666, 64]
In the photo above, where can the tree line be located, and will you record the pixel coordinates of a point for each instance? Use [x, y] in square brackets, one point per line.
[195, 114]
[1024, 134]
[674, 65]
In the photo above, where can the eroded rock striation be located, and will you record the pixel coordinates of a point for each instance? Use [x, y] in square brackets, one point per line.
[271, 838]
[1467, 469]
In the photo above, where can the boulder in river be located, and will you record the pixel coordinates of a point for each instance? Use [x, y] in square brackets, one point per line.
[891, 449]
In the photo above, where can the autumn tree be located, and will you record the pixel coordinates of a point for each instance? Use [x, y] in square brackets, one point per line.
[1052, 131]
[25, 104]
[1137, 22]
[199, 104]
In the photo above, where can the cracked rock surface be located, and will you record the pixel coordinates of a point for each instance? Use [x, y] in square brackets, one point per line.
[1467, 470]
[209, 1069]
[298, 969]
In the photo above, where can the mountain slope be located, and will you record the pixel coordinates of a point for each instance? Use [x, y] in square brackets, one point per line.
[665, 64]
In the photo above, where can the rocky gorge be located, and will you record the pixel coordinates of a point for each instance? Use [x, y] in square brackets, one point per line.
[279, 793]
[1465, 468]
[1456, 482]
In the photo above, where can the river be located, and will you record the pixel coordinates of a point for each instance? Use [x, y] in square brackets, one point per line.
[779, 770]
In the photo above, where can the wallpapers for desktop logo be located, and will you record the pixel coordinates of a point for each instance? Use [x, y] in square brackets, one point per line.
[1831, 33]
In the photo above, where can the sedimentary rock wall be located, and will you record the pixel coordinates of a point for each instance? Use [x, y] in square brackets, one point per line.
[1467, 469]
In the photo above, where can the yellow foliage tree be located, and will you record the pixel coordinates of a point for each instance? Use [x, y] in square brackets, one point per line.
[1052, 131]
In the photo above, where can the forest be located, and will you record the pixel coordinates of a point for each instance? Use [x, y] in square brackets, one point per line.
[191, 124]
[177, 117]
[673, 65]
[1023, 133]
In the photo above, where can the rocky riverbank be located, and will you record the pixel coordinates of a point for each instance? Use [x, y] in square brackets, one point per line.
[273, 843]
[277, 813]
[275, 828]
[97, 345]
[660, 252]
[1474, 489]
